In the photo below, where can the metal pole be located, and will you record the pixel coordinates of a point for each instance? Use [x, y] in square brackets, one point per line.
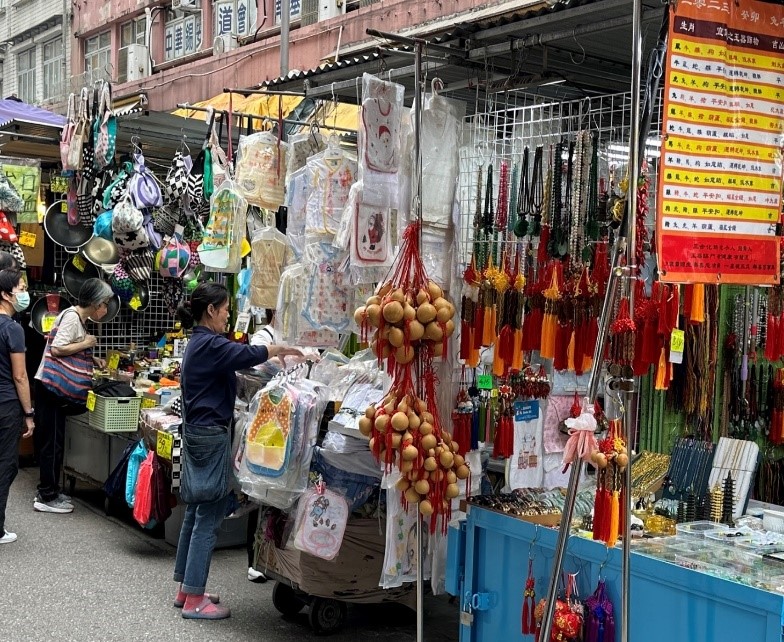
[420, 583]
[285, 18]
[631, 401]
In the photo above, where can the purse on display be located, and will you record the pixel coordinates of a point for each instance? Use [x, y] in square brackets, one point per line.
[143, 186]
[79, 133]
[67, 135]
[105, 129]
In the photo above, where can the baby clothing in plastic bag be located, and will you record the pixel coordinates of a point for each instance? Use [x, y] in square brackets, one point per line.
[331, 175]
[321, 523]
[220, 248]
[296, 208]
[327, 295]
[301, 147]
[294, 329]
[270, 253]
[439, 163]
[261, 169]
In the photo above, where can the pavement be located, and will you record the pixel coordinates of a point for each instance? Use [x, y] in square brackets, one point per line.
[88, 577]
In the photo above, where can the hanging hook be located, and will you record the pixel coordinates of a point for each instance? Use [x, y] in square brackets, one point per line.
[533, 541]
[604, 563]
[577, 42]
[136, 143]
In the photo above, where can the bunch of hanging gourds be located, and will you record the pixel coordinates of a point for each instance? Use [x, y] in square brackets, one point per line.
[413, 322]
[610, 460]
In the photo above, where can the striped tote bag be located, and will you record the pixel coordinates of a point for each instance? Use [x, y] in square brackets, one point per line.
[69, 377]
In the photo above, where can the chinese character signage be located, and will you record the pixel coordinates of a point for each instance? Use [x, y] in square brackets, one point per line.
[182, 36]
[294, 14]
[721, 171]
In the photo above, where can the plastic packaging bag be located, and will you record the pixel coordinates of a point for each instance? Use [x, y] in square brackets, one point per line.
[142, 506]
[380, 139]
[321, 523]
[261, 169]
[280, 435]
[221, 247]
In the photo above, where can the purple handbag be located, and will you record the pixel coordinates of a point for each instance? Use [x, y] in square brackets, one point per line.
[143, 186]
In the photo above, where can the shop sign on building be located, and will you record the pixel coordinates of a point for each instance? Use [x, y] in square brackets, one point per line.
[182, 36]
[720, 175]
[296, 10]
[235, 17]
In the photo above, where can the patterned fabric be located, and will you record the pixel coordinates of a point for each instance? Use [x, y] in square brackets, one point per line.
[10, 201]
[172, 293]
[68, 377]
[139, 265]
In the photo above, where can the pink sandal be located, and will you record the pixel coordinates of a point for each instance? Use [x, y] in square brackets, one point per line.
[179, 601]
[201, 607]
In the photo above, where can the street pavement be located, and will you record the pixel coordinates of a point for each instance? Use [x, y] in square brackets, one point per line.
[86, 577]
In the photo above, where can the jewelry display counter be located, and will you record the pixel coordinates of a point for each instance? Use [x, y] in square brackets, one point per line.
[681, 588]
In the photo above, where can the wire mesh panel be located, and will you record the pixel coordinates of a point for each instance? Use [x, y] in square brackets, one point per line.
[512, 122]
[129, 326]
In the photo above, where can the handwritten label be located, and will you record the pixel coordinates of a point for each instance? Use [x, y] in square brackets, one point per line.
[494, 393]
[148, 403]
[78, 263]
[484, 382]
[64, 207]
[47, 322]
[114, 361]
[27, 239]
[90, 401]
[163, 444]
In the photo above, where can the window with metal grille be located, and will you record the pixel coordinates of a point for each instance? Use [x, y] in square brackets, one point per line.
[98, 55]
[25, 75]
[53, 60]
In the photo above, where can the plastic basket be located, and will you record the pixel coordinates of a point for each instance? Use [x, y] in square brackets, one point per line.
[115, 414]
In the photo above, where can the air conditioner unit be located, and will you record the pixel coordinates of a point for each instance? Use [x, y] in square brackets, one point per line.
[138, 61]
[185, 4]
[331, 9]
[223, 43]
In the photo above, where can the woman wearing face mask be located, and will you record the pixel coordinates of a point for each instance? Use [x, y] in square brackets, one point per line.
[209, 387]
[69, 337]
[16, 411]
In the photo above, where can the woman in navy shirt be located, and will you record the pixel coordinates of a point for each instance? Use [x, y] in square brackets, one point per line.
[209, 387]
[16, 410]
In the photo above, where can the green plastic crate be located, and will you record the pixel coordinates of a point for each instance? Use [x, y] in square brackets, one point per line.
[115, 414]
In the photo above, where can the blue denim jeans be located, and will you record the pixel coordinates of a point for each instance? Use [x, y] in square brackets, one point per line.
[197, 542]
[207, 446]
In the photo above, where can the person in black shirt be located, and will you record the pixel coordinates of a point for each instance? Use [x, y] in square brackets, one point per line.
[209, 388]
[16, 412]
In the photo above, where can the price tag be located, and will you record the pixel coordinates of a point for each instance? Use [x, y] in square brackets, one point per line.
[484, 382]
[148, 403]
[90, 401]
[135, 302]
[47, 323]
[27, 239]
[163, 444]
[114, 361]
[493, 393]
[78, 263]
[64, 207]
[243, 322]
[677, 344]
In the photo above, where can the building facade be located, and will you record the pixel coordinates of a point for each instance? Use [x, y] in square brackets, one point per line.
[35, 51]
[177, 51]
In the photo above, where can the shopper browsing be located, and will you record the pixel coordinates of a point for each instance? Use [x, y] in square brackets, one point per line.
[16, 411]
[62, 382]
[209, 387]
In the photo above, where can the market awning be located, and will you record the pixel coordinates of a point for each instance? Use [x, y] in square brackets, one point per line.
[27, 131]
[566, 51]
[265, 106]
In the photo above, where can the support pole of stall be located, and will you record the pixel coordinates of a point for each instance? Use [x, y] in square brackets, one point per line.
[420, 582]
[630, 420]
[285, 21]
[620, 277]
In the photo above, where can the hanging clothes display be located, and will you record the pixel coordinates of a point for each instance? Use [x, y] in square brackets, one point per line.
[331, 175]
[260, 170]
[270, 252]
[439, 142]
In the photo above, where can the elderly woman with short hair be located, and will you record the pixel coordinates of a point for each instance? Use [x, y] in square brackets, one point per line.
[69, 338]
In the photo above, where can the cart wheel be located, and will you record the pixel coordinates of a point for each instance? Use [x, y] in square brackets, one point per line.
[327, 616]
[285, 599]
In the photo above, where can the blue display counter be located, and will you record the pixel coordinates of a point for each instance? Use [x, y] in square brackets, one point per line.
[488, 565]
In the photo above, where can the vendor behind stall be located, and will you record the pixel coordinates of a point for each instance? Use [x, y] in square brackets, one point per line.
[62, 383]
[209, 388]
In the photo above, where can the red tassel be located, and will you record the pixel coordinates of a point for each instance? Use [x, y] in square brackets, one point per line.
[526, 616]
[563, 337]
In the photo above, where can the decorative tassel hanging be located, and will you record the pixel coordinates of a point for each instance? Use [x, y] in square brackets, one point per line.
[697, 309]
[529, 602]
[550, 320]
[622, 331]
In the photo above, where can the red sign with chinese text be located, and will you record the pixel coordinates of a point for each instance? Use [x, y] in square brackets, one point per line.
[720, 170]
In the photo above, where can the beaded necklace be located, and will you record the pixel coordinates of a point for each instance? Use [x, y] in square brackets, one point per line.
[536, 201]
[523, 198]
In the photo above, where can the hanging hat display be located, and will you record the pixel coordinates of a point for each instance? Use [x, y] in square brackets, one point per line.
[139, 265]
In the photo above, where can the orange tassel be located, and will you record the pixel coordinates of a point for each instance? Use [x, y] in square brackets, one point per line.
[661, 370]
[570, 352]
[549, 329]
[517, 356]
[697, 313]
[615, 514]
[498, 360]
[488, 327]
